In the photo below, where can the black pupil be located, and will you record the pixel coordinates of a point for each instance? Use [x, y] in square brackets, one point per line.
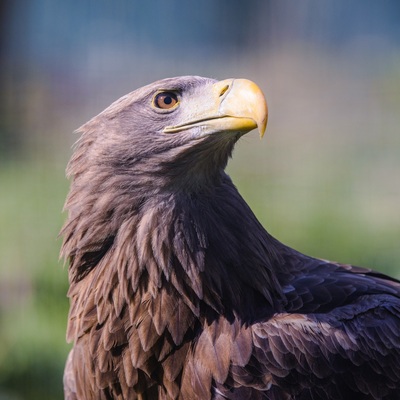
[167, 99]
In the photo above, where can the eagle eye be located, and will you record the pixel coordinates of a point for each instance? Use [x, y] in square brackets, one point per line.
[165, 100]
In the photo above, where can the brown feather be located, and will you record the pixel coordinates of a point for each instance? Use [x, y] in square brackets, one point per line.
[131, 374]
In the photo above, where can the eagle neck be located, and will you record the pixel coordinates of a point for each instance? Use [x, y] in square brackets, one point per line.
[218, 252]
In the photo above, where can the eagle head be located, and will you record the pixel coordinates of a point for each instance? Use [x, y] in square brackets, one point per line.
[176, 133]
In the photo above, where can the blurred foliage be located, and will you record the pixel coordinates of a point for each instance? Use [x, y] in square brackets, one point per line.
[325, 221]
[33, 303]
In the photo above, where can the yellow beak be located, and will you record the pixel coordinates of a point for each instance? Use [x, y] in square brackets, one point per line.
[235, 105]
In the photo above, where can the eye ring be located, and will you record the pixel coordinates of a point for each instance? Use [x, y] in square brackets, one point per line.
[165, 100]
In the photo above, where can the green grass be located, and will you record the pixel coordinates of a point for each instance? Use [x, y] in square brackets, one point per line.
[33, 303]
[345, 210]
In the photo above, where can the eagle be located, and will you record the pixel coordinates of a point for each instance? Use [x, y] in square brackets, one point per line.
[176, 289]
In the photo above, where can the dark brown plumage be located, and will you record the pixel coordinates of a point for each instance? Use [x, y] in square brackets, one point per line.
[176, 289]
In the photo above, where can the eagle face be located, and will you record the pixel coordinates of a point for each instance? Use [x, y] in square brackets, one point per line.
[196, 106]
[157, 128]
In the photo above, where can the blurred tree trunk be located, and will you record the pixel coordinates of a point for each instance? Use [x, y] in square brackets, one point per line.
[9, 138]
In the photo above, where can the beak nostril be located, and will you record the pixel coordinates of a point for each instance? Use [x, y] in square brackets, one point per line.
[224, 90]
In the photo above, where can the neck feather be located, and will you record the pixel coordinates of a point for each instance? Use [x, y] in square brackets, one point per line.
[209, 246]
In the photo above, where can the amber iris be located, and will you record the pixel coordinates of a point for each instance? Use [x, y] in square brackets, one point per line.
[165, 100]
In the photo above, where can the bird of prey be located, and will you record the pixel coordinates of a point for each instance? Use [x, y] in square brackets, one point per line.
[178, 292]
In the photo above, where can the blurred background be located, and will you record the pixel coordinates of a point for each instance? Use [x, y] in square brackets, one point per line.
[325, 179]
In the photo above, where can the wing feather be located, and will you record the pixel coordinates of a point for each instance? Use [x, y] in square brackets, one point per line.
[322, 350]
